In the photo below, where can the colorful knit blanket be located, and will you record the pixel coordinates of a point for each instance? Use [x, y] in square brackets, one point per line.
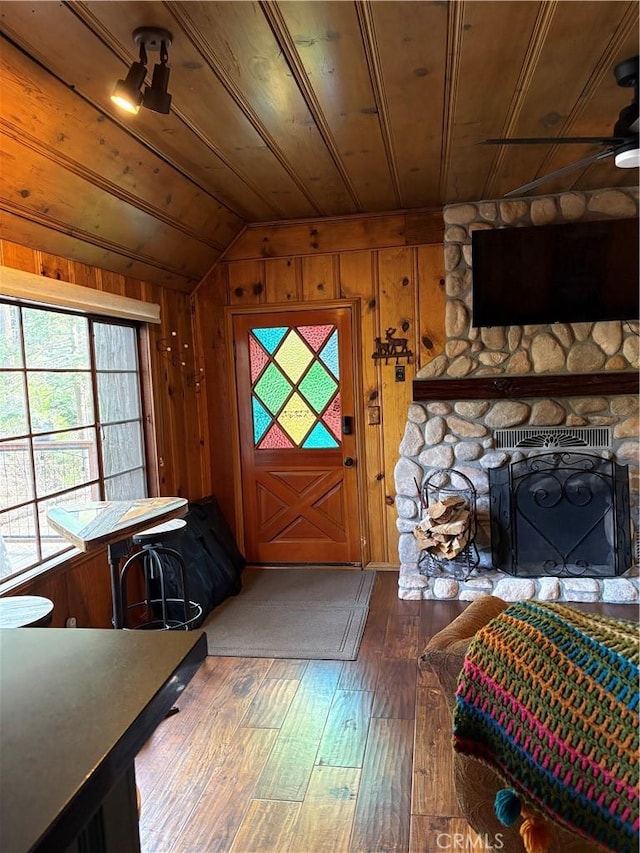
[548, 697]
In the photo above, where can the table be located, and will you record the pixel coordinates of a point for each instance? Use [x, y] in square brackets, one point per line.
[76, 707]
[95, 524]
[25, 611]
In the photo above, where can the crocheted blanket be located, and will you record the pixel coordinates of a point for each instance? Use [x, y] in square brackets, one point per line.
[548, 696]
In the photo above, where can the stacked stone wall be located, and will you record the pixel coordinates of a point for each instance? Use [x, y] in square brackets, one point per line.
[460, 435]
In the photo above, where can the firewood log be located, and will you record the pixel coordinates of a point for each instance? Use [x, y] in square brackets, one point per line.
[440, 507]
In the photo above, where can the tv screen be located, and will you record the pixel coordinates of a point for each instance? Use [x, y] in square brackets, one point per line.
[569, 273]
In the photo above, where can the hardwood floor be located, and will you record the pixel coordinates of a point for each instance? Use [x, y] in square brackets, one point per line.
[289, 756]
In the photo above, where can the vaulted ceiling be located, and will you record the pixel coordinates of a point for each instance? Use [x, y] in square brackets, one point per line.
[288, 110]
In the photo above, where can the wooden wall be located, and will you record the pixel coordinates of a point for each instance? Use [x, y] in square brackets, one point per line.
[393, 264]
[80, 586]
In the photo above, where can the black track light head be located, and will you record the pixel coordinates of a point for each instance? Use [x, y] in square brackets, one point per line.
[127, 93]
[156, 97]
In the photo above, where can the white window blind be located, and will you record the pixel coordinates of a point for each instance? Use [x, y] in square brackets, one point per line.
[39, 289]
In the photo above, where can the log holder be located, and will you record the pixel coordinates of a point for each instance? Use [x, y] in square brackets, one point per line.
[444, 483]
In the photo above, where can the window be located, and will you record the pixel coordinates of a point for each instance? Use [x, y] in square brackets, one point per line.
[294, 380]
[70, 423]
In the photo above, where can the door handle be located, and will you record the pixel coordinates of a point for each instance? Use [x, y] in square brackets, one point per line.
[349, 462]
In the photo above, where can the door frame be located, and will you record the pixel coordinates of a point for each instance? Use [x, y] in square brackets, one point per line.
[354, 306]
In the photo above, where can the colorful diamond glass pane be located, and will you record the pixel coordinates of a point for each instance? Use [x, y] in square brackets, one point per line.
[296, 418]
[315, 336]
[261, 420]
[330, 354]
[271, 337]
[294, 356]
[318, 386]
[257, 358]
[319, 438]
[332, 417]
[275, 439]
[272, 388]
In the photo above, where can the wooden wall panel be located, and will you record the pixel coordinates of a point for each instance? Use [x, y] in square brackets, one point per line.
[54, 587]
[393, 264]
[88, 276]
[431, 297]
[345, 234]
[318, 278]
[396, 305]
[19, 257]
[55, 267]
[358, 279]
[215, 399]
[171, 403]
[112, 282]
[89, 591]
[80, 587]
[134, 287]
[246, 283]
[181, 445]
[281, 279]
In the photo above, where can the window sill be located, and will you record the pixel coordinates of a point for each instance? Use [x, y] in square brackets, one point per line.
[60, 561]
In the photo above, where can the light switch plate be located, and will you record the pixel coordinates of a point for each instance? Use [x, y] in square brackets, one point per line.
[373, 415]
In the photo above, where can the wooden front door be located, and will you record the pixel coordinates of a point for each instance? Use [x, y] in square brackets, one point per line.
[295, 391]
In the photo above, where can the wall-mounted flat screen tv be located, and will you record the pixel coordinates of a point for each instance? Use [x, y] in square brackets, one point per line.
[570, 273]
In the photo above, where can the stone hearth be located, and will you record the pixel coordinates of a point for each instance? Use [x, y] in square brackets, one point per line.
[457, 431]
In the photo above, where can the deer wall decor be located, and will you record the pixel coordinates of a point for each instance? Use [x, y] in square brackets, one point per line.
[391, 347]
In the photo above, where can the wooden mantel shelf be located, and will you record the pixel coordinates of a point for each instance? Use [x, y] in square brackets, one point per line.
[518, 387]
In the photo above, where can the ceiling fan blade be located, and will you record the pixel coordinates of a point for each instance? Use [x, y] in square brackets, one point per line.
[580, 164]
[557, 140]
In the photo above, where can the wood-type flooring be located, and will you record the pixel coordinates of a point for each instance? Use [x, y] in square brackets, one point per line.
[290, 756]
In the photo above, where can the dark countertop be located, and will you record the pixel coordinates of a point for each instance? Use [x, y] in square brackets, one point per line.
[76, 706]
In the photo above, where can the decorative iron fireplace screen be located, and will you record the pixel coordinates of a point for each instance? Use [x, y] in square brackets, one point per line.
[562, 514]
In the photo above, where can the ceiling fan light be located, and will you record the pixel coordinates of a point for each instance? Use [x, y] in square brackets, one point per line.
[127, 93]
[628, 157]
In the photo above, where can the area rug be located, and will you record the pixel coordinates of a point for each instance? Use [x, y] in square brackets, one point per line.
[310, 614]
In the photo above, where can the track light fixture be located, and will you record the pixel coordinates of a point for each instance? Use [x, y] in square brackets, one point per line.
[128, 92]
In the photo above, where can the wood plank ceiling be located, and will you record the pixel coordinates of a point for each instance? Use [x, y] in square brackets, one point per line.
[286, 110]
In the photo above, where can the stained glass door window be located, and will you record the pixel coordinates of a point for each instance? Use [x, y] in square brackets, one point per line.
[295, 394]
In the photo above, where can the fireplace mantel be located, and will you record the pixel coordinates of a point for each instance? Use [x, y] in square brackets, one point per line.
[523, 386]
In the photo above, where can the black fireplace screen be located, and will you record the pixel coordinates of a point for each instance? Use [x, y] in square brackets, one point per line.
[560, 514]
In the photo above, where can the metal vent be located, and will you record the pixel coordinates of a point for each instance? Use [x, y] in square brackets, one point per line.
[552, 437]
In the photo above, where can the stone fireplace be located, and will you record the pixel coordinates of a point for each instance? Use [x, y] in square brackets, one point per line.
[562, 385]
